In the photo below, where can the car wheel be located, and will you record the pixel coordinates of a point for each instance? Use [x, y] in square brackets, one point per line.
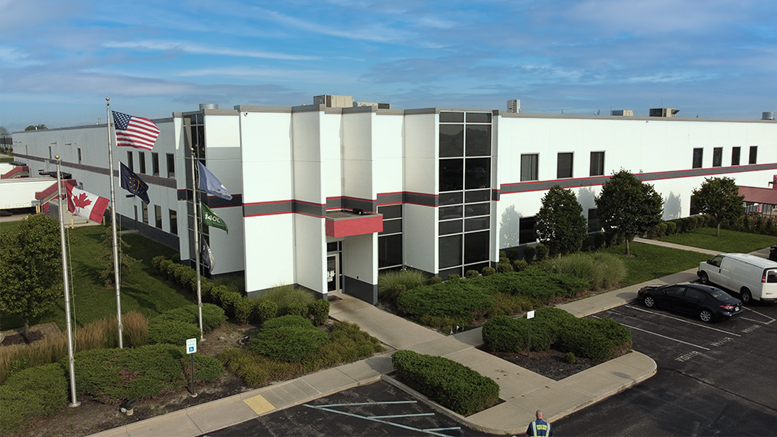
[705, 316]
[746, 295]
[704, 278]
[649, 301]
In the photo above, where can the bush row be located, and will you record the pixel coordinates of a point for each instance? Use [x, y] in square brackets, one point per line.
[286, 300]
[450, 384]
[346, 343]
[679, 226]
[752, 224]
[597, 339]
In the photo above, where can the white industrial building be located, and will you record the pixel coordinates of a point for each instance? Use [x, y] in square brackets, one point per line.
[326, 197]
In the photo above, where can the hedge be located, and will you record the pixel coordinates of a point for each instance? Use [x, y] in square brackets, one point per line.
[162, 331]
[35, 392]
[212, 316]
[289, 338]
[109, 375]
[450, 384]
[597, 339]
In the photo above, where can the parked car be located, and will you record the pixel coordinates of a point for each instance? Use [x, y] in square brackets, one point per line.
[703, 301]
[751, 276]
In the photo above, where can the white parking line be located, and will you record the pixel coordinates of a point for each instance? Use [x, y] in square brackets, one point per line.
[684, 321]
[771, 319]
[664, 336]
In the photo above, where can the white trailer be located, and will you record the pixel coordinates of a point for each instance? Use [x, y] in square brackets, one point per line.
[20, 192]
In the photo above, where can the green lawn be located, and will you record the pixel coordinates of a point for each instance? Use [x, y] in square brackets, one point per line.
[648, 261]
[143, 292]
[729, 241]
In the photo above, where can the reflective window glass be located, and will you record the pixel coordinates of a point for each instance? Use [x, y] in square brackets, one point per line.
[564, 169]
[476, 247]
[476, 209]
[389, 250]
[478, 196]
[451, 140]
[451, 212]
[450, 198]
[476, 224]
[451, 174]
[450, 251]
[478, 140]
[478, 173]
[391, 227]
[450, 227]
[452, 117]
[478, 117]
[390, 211]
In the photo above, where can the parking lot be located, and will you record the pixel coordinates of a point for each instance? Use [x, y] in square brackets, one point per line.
[713, 378]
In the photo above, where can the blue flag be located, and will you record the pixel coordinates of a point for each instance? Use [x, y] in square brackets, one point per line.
[133, 183]
[211, 185]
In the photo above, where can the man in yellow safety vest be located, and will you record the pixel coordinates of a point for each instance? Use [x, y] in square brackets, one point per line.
[539, 427]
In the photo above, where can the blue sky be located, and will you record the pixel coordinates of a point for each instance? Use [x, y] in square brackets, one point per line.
[709, 58]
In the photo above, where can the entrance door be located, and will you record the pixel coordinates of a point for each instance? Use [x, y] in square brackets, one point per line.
[333, 273]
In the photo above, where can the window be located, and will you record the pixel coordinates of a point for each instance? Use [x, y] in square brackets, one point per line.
[170, 165]
[698, 154]
[753, 154]
[173, 222]
[735, 156]
[594, 225]
[145, 212]
[451, 140]
[478, 139]
[597, 164]
[451, 175]
[142, 162]
[155, 164]
[478, 173]
[526, 233]
[717, 156]
[530, 167]
[450, 251]
[564, 169]
[158, 216]
[130, 162]
[475, 247]
[390, 239]
[79, 155]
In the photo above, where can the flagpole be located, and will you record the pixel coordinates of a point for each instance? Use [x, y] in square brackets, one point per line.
[70, 358]
[195, 202]
[113, 224]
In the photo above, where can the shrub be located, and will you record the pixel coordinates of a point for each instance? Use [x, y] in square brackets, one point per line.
[264, 310]
[588, 243]
[229, 300]
[671, 228]
[597, 339]
[112, 374]
[205, 368]
[157, 261]
[289, 338]
[505, 334]
[434, 280]
[506, 304]
[488, 271]
[514, 254]
[456, 301]
[472, 274]
[542, 252]
[320, 311]
[243, 307]
[35, 392]
[212, 316]
[569, 357]
[504, 267]
[519, 265]
[161, 331]
[528, 253]
[446, 382]
[599, 240]
[297, 309]
[600, 270]
[286, 294]
[217, 293]
[391, 284]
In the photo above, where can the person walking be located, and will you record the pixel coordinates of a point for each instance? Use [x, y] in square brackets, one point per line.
[539, 427]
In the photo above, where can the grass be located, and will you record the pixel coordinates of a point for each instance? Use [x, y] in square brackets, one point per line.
[648, 261]
[142, 292]
[729, 241]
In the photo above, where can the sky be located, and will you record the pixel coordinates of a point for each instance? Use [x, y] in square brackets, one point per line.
[709, 58]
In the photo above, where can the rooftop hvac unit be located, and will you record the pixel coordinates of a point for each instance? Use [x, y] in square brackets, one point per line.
[622, 112]
[768, 115]
[333, 101]
[514, 106]
[204, 106]
[663, 112]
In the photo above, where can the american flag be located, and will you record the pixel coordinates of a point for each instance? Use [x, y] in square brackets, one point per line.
[135, 131]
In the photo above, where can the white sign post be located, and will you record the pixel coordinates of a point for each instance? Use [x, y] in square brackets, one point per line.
[191, 349]
[529, 316]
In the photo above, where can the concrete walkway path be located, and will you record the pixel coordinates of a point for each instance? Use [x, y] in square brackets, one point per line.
[523, 391]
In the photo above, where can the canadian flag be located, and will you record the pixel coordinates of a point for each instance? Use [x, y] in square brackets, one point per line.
[84, 204]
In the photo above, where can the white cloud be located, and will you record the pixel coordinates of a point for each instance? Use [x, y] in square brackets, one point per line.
[159, 45]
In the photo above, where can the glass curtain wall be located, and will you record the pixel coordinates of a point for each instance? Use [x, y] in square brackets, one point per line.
[464, 213]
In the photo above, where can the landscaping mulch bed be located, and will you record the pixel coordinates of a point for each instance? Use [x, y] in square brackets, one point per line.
[550, 363]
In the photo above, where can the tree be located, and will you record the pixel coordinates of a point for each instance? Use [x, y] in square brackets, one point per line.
[30, 268]
[719, 198]
[35, 127]
[627, 206]
[560, 222]
[3, 130]
[125, 261]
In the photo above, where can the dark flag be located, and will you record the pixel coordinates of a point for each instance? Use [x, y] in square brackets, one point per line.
[207, 257]
[133, 183]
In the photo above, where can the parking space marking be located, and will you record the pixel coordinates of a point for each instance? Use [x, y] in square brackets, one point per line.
[379, 419]
[664, 336]
[771, 319]
[722, 342]
[685, 357]
[684, 321]
[752, 328]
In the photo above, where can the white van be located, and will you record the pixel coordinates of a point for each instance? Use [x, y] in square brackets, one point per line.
[750, 276]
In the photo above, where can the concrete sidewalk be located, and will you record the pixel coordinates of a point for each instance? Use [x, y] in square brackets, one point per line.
[523, 391]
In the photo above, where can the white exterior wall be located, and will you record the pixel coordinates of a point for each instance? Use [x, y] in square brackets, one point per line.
[360, 258]
[387, 139]
[357, 155]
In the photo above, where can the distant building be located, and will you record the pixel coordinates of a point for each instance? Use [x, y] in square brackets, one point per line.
[326, 196]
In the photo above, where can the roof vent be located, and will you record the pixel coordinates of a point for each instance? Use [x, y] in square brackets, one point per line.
[204, 106]
[768, 115]
[513, 106]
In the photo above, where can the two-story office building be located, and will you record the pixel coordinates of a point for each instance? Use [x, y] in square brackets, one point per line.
[326, 197]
